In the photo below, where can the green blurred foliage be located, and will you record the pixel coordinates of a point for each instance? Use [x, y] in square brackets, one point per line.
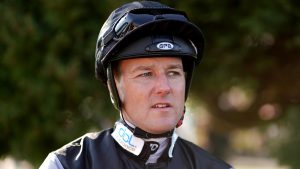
[287, 147]
[49, 95]
[250, 44]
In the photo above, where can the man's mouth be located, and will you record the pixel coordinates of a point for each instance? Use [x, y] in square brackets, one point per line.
[161, 105]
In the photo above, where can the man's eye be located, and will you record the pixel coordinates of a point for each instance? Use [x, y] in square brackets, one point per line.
[146, 74]
[174, 73]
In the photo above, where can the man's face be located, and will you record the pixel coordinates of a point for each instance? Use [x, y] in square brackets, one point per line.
[152, 92]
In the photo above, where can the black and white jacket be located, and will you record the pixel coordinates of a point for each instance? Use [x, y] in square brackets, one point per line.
[101, 151]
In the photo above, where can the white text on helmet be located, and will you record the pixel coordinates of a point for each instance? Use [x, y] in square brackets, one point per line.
[165, 46]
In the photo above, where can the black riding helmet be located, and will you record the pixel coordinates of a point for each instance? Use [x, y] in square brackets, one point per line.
[146, 29]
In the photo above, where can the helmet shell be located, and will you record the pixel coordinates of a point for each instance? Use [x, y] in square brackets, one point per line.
[108, 44]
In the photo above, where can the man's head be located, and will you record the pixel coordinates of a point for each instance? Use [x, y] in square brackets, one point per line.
[148, 34]
[152, 92]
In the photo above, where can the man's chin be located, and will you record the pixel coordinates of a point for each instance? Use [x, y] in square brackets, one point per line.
[159, 129]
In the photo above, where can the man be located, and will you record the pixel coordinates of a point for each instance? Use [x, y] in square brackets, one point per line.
[145, 54]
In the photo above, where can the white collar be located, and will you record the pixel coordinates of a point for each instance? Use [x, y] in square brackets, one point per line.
[125, 138]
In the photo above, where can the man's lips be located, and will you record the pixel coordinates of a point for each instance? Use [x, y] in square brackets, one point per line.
[161, 105]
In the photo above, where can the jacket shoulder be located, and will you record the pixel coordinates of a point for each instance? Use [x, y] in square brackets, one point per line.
[81, 142]
[86, 151]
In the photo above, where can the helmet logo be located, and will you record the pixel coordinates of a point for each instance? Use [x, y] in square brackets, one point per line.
[165, 46]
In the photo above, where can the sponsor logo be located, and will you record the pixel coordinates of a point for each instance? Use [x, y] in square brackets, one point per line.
[165, 46]
[126, 137]
[127, 140]
[154, 146]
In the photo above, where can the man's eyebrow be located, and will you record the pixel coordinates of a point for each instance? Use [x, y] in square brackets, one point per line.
[175, 66]
[142, 67]
[149, 67]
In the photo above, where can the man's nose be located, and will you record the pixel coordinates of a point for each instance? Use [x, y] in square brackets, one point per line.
[162, 85]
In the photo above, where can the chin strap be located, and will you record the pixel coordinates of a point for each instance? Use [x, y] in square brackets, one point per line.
[181, 119]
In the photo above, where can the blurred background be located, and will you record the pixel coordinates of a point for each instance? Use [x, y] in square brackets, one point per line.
[244, 105]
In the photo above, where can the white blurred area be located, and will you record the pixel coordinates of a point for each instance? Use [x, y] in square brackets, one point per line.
[195, 125]
[249, 147]
[10, 163]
